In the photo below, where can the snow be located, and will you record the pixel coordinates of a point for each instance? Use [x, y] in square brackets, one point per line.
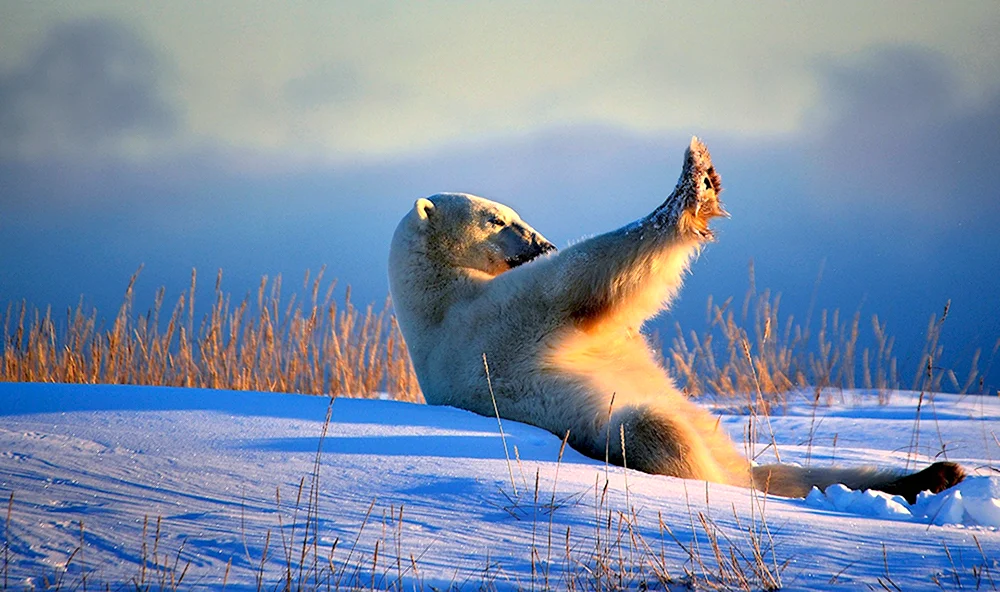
[974, 502]
[412, 496]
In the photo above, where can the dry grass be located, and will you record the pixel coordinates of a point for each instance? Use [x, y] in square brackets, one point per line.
[318, 348]
[788, 356]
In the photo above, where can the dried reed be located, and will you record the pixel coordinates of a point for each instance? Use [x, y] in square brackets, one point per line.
[788, 356]
[320, 348]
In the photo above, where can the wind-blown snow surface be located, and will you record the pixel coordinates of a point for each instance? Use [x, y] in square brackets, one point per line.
[210, 464]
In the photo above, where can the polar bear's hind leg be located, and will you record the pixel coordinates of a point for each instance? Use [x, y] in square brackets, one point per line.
[792, 481]
[662, 444]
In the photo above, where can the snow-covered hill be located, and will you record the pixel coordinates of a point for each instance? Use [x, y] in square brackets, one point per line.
[411, 496]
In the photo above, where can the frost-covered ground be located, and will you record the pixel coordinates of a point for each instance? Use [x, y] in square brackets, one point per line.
[431, 487]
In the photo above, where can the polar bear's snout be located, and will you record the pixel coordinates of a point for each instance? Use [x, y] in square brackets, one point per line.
[522, 244]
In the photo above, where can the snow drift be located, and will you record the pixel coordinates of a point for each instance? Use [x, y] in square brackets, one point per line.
[123, 484]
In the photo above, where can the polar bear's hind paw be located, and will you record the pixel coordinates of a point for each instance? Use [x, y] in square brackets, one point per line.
[935, 478]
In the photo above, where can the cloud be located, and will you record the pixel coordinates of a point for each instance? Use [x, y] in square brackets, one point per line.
[331, 83]
[896, 126]
[91, 87]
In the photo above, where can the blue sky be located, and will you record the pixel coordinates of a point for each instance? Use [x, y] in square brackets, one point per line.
[266, 138]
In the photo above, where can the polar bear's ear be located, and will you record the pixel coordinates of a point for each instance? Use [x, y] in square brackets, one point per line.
[424, 208]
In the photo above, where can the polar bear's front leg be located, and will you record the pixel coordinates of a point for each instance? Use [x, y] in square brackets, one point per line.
[630, 274]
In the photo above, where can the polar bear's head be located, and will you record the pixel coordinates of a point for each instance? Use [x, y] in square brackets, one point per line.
[465, 231]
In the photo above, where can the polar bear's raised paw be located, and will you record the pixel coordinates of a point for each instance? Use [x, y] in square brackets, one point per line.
[695, 200]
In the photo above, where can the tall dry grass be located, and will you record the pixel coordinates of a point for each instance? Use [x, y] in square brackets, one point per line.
[318, 347]
[757, 349]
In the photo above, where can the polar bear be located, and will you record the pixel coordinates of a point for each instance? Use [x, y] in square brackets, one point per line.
[561, 333]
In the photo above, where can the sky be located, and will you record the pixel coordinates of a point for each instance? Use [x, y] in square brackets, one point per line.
[857, 142]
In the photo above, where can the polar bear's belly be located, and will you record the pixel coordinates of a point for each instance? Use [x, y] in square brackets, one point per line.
[620, 364]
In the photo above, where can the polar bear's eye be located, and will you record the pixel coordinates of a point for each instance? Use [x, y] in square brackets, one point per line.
[496, 221]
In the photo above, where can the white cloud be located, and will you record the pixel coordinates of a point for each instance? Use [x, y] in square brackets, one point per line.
[343, 78]
[91, 87]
